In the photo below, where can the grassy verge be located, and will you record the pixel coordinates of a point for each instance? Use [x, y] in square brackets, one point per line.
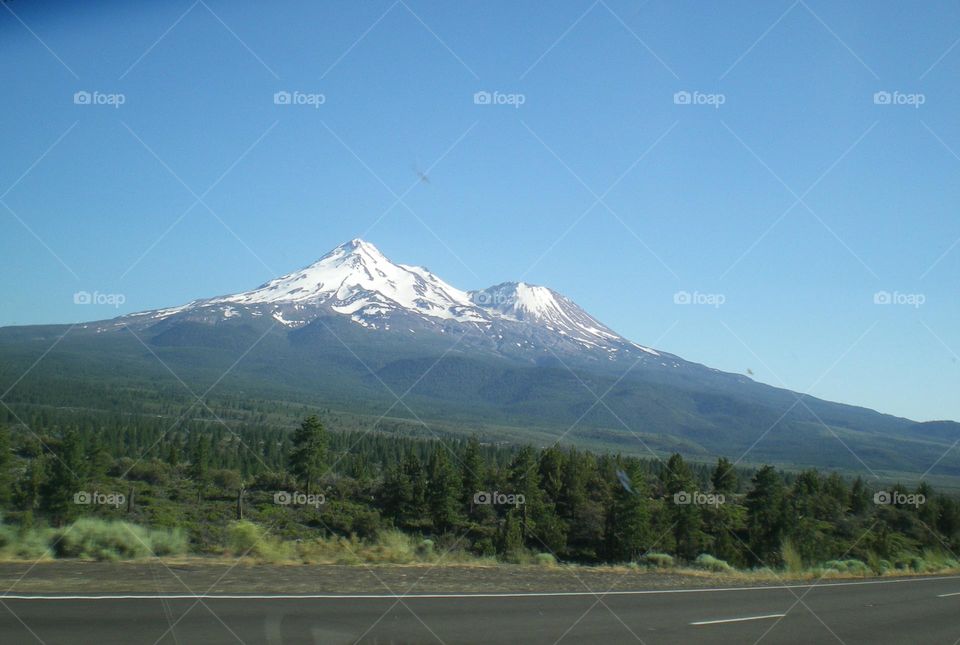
[112, 540]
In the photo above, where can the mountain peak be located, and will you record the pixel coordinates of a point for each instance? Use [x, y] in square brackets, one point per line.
[356, 246]
[528, 303]
[357, 281]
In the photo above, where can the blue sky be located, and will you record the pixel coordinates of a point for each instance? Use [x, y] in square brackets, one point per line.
[795, 201]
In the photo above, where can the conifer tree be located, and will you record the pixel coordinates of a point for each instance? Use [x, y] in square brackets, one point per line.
[309, 452]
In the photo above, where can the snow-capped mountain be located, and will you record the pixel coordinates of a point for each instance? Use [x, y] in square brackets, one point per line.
[355, 332]
[543, 307]
[356, 281]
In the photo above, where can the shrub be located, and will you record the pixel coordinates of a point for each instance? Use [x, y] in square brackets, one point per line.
[546, 560]
[24, 543]
[425, 549]
[659, 560]
[151, 471]
[226, 480]
[111, 540]
[273, 481]
[246, 539]
[792, 560]
[878, 565]
[710, 563]
[854, 567]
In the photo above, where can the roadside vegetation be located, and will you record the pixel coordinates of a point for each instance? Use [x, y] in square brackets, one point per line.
[116, 491]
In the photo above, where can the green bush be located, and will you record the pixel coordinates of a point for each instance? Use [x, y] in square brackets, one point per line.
[425, 549]
[792, 560]
[246, 539]
[918, 564]
[710, 563]
[854, 567]
[659, 560]
[111, 540]
[22, 543]
[546, 560]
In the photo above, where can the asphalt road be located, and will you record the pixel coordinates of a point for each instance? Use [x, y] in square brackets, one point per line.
[917, 610]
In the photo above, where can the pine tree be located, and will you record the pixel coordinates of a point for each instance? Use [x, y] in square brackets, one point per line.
[628, 521]
[67, 478]
[682, 512]
[309, 452]
[510, 535]
[472, 476]
[444, 491]
[859, 497]
[539, 524]
[415, 508]
[724, 477]
[6, 458]
[200, 465]
[524, 480]
[765, 517]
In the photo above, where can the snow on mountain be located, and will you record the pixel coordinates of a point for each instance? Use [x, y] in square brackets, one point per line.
[357, 280]
[536, 305]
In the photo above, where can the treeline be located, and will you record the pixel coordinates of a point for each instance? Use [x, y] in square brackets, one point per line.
[466, 494]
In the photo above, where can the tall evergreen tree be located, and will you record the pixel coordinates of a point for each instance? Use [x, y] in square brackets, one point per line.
[444, 491]
[200, 465]
[309, 452]
[683, 513]
[67, 478]
[724, 477]
[472, 476]
[628, 521]
[415, 507]
[765, 517]
[6, 459]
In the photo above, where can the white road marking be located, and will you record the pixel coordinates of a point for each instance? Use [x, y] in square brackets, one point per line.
[947, 595]
[429, 596]
[737, 620]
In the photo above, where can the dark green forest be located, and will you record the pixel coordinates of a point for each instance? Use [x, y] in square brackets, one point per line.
[471, 496]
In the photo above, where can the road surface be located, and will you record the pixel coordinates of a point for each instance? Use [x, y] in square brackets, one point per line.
[915, 610]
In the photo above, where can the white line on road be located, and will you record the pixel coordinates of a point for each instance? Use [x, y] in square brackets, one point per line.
[947, 595]
[429, 596]
[737, 620]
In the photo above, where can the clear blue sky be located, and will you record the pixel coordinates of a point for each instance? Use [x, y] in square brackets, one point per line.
[701, 205]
